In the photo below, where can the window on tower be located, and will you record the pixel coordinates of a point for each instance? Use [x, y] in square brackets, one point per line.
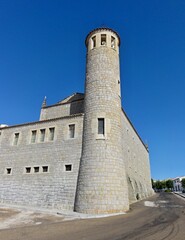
[103, 39]
[113, 42]
[101, 126]
[94, 42]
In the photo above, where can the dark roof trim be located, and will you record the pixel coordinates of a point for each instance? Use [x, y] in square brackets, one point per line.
[135, 130]
[43, 121]
[58, 104]
[76, 93]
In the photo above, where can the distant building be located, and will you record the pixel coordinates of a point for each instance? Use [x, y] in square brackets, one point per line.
[3, 125]
[177, 185]
[84, 153]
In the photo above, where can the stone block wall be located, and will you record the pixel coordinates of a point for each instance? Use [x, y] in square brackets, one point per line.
[61, 110]
[54, 188]
[136, 158]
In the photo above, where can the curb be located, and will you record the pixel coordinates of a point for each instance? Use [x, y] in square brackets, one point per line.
[179, 194]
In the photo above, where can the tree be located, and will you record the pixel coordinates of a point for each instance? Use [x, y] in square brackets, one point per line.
[183, 183]
[158, 185]
[163, 184]
[153, 183]
[169, 184]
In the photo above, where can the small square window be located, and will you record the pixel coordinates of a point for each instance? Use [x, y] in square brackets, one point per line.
[28, 169]
[36, 169]
[16, 139]
[44, 168]
[8, 171]
[71, 130]
[68, 167]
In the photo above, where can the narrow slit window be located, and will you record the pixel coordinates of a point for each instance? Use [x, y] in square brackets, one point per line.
[51, 134]
[45, 169]
[71, 130]
[101, 126]
[68, 167]
[16, 139]
[94, 41]
[8, 171]
[103, 39]
[33, 136]
[36, 169]
[42, 134]
[113, 42]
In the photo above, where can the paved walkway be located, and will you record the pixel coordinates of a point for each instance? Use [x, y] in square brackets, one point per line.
[13, 216]
[160, 217]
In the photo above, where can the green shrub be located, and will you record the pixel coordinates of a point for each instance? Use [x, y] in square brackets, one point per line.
[168, 190]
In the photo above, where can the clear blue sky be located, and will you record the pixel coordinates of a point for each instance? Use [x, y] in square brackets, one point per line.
[42, 52]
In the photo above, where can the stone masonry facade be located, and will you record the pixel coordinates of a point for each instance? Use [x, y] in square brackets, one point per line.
[83, 154]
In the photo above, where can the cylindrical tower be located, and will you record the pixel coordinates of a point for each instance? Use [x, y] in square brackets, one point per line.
[102, 186]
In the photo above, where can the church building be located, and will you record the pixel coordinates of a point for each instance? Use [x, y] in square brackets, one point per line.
[83, 154]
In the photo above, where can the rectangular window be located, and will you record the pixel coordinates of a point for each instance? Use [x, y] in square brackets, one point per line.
[68, 167]
[71, 130]
[16, 139]
[44, 168]
[51, 134]
[113, 42]
[8, 171]
[42, 134]
[28, 169]
[33, 136]
[36, 169]
[103, 39]
[101, 126]
[94, 41]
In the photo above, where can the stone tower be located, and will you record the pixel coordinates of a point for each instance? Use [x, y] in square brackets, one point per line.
[102, 186]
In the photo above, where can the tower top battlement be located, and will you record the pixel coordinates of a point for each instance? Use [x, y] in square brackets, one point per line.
[102, 37]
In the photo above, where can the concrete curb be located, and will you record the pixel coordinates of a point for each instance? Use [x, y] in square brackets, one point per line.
[85, 216]
[67, 215]
[179, 194]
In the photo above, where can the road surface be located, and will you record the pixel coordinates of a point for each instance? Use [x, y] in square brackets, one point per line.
[157, 218]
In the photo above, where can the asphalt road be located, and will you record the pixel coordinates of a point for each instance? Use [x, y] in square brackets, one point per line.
[157, 218]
